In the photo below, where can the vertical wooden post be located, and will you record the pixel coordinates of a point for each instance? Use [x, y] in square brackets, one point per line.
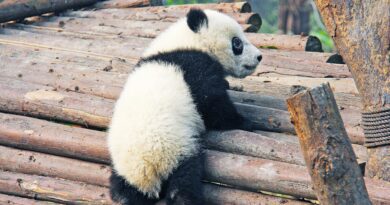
[328, 153]
[361, 30]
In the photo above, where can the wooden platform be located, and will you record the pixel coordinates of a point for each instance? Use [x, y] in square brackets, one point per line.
[61, 74]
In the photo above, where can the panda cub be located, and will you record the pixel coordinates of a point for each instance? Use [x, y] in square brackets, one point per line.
[176, 92]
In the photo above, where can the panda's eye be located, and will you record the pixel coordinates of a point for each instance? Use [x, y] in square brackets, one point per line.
[237, 46]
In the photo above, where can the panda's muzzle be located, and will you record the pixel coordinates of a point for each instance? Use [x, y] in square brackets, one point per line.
[250, 67]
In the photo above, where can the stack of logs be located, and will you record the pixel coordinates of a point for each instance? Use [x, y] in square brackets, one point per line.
[71, 68]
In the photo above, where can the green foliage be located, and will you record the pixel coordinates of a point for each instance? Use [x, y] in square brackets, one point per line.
[318, 30]
[326, 40]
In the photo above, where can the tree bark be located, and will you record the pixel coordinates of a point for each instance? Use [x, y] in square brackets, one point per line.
[327, 150]
[19, 9]
[121, 4]
[360, 30]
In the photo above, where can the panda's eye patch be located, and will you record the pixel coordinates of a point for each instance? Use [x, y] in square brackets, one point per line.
[237, 46]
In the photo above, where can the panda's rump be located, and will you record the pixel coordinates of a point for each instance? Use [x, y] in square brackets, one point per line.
[154, 126]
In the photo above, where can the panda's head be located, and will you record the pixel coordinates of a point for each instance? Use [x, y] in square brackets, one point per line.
[212, 32]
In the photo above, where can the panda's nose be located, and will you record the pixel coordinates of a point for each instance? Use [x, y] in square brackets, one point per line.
[259, 58]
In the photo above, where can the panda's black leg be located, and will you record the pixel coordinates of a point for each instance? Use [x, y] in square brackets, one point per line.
[184, 185]
[125, 194]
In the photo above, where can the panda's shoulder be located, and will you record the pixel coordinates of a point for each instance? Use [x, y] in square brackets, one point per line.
[190, 61]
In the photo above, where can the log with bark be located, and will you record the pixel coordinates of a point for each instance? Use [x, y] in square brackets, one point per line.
[19, 9]
[237, 7]
[172, 16]
[121, 4]
[361, 36]
[243, 171]
[328, 153]
[15, 200]
[51, 189]
[286, 42]
[39, 135]
[63, 191]
[89, 110]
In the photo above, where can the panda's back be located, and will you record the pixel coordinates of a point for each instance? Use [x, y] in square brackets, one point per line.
[155, 125]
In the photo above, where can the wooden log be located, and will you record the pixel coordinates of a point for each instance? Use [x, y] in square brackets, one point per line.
[43, 136]
[47, 102]
[51, 189]
[243, 171]
[327, 150]
[266, 118]
[88, 110]
[14, 200]
[109, 47]
[251, 144]
[284, 42]
[237, 7]
[362, 39]
[259, 100]
[287, 42]
[84, 80]
[218, 195]
[39, 135]
[75, 42]
[29, 162]
[121, 4]
[62, 191]
[129, 14]
[19, 9]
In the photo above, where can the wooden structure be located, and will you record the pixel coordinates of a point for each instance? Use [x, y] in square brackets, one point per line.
[60, 76]
[328, 153]
[362, 38]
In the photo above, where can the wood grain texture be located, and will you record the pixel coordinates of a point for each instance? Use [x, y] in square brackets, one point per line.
[19, 9]
[360, 31]
[327, 150]
[52, 189]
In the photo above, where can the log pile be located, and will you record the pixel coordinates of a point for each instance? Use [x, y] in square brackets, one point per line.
[60, 76]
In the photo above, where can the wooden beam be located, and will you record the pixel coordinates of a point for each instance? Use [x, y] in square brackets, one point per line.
[218, 195]
[243, 171]
[288, 42]
[328, 153]
[361, 36]
[75, 142]
[121, 4]
[236, 7]
[15, 200]
[29, 162]
[19, 9]
[52, 189]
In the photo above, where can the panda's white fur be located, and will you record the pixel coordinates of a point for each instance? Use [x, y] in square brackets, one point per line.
[146, 144]
[214, 39]
[156, 122]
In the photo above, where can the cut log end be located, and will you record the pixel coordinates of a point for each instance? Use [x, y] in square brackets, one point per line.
[255, 20]
[313, 44]
[246, 8]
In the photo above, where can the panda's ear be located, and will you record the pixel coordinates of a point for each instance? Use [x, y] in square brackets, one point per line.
[196, 18]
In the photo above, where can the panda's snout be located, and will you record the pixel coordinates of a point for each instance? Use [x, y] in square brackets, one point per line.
[259, 57]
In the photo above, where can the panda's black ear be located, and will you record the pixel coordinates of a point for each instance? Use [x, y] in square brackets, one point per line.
[196, 18]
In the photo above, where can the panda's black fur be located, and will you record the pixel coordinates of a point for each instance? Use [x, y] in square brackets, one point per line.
[206, 80]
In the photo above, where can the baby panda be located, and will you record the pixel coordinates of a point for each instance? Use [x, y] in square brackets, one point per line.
[176, 92]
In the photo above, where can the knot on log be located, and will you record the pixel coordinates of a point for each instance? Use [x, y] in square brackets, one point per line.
[376, 127]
